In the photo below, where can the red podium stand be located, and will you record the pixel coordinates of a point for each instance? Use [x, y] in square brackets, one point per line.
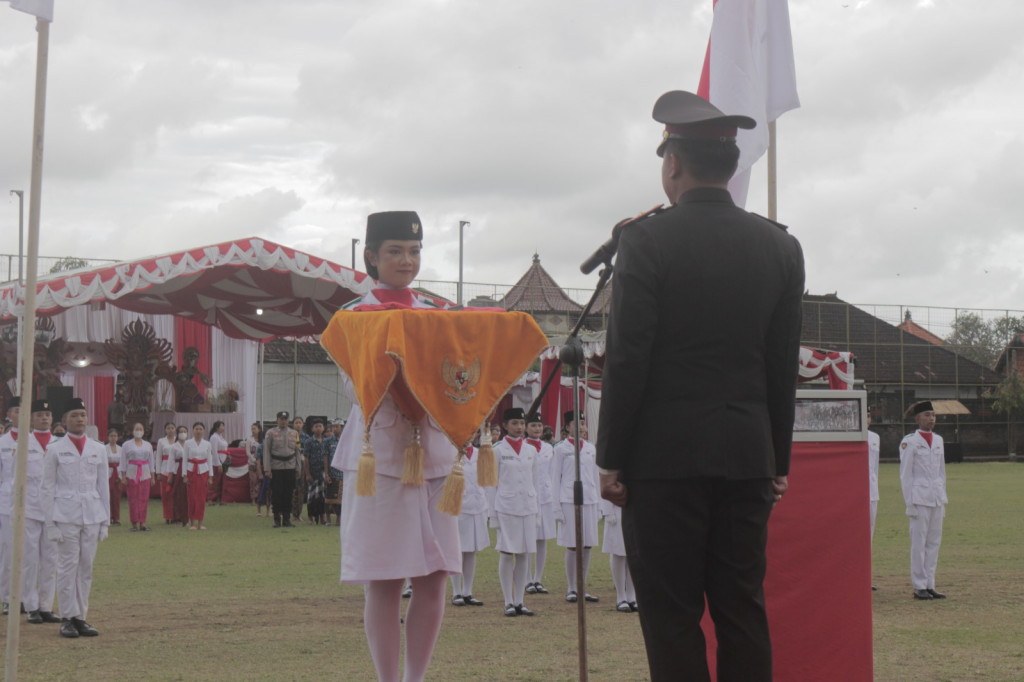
[818, 585]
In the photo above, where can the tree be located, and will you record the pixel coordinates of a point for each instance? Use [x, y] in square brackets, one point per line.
[981, 341]
[69, 263]
[1009, 400]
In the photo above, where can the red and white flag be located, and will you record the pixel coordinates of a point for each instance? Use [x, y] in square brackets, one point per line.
[40, 8]
[749, 69]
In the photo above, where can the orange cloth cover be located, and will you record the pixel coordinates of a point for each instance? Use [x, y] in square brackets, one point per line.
[453, 365]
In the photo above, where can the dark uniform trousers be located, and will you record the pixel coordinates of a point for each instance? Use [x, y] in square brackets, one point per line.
[715, 532]
[282, 487]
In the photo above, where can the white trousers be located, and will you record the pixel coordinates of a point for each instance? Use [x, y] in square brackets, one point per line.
[74, 568]
[39, 568]
[925, 538]
[874, 515]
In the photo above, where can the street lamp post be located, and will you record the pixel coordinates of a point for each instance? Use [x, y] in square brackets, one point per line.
[462, 224]
[354, 242]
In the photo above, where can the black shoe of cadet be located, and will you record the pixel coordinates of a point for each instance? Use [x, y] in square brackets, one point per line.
[510, 611]
[523, 611]
[49, 617]
[35, 618]
[923, 594]
[84, 629]
[936, 595]
[68, 629]
[472, 601]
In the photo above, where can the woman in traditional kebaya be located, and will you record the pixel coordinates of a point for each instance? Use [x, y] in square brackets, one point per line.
[199, 465]
[113, 463]
[179, 492]
[137, 471]
[165, 469]
[398, 532]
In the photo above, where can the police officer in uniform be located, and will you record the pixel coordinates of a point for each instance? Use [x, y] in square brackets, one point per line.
[698, 401]
[281, 464]
[923, 479]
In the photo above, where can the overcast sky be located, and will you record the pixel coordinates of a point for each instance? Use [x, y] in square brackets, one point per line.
[179, 123]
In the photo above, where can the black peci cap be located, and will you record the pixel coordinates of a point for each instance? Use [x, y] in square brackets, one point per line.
[41, 406]
[534, 418]
[513, 413]
[74, 404]
[402, 225]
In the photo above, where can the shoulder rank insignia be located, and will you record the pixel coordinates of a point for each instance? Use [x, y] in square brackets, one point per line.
[903, 445]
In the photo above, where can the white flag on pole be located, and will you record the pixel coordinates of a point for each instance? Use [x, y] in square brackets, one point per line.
[749, 70]
[40, 8]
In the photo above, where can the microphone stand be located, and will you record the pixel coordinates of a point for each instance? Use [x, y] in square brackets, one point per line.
[571, 354]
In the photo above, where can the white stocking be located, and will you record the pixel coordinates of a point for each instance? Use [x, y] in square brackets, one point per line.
[570, 568]
[468, 573]
[630, 591]
[619, 572]
[506, 575]
[519, 577]
[456, 584]
[382, 623]
[539, 559]
[423, 623]
[586, 564]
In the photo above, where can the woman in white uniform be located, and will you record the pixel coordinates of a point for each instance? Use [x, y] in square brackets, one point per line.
[546, 529]
[397, 533]
[473, 535]
[564, 473]
[515, 509]
[614, 546]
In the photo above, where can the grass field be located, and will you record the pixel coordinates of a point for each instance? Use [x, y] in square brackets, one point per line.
[242, 601]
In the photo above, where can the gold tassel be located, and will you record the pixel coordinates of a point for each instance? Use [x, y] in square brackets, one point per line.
[366, 479]
[486, 465]
[412, 474]
[451, 496]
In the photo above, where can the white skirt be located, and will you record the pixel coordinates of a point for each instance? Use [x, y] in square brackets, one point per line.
[613, 542]
[516, 534]
[547, 528]
[397, 533]
[567, 529]
[473, 535]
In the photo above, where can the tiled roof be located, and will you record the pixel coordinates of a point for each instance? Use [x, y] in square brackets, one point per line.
[283, 350]
[885, 354]
[911, 327]
[537, 292]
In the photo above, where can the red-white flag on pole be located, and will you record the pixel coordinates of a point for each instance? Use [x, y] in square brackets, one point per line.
[749, 70]
[40, 8]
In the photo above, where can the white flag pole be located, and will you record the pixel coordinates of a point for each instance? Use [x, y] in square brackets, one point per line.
[27, 350]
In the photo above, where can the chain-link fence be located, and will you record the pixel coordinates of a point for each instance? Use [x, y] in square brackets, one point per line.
[907, 353]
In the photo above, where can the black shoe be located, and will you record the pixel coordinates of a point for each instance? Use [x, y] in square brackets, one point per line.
[923, 594]
[510, 611]
[523, 611]
[571, 596]
[68, 629]
[407, 592]
[35, 618]
[936, 595]
[6, 608]
[624, 607]
[472, 601]
[633, 607]
[590, 597]
[458, 600]
[84, 629]
[48, 617]
[540, 589]
[288, 524]
[23, 609]
[277, 524]
[531, 588]
[874, 589]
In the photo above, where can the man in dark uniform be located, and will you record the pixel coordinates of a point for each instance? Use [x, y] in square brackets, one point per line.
[697, 411]
[281, 464]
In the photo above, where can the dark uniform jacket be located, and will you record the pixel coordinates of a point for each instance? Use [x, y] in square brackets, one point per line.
[702, 345]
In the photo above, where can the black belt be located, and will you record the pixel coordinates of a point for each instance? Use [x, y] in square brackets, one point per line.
[283, 459]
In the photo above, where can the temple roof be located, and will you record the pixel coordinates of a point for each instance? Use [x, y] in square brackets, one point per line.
[537, 292]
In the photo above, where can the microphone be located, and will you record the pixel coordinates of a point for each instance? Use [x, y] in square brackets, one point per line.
[606, 251]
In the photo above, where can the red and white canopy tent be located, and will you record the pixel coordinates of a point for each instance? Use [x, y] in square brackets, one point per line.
[233, 294]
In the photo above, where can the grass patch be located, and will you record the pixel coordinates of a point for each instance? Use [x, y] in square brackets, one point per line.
[242, 601]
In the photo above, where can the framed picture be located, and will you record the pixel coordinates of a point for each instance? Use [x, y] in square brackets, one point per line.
[824, 415]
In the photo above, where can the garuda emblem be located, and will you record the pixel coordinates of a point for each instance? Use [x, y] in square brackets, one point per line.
[460, 380]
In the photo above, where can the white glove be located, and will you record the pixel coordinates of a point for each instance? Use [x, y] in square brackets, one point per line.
[492, 522]
[104, 532]
[53, 534]
[912, 511]
[559, 516]
[611, 520]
